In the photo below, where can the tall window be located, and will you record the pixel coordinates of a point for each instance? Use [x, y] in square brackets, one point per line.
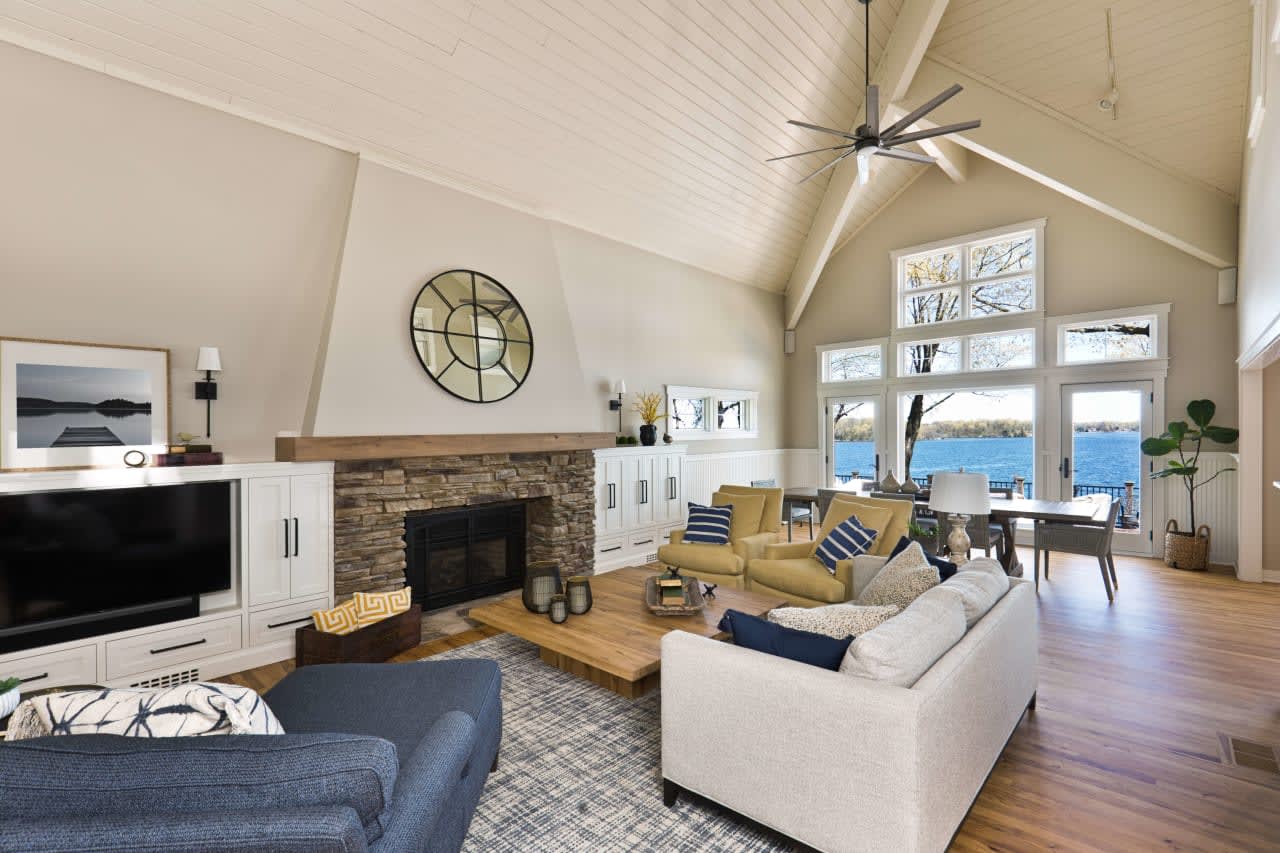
[987, 277]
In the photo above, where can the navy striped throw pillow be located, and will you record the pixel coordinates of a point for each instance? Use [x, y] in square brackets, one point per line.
[847, 539]
[708, 524]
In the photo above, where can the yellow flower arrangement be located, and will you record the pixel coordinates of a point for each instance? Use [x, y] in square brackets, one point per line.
[646, 405]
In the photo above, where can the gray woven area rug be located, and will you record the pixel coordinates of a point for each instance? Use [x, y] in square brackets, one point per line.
[580, 771]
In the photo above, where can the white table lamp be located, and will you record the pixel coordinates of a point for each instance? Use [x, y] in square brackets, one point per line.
[960, 495]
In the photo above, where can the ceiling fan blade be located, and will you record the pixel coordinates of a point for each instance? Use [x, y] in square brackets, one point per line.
[919, 112]
[906, 155]
[812, 175]
[814, 151]
[932, 132]
[822, 129]
[873, 110]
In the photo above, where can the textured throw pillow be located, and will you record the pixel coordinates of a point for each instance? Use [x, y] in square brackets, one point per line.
[905, 647]
[833, 620]
[708, 525]
[901, 580]
[373, 607]
[979, 591]
[183, 711]
[752, 632]
[847, 539]
[337, 620]
[747, 510]
[945, 568]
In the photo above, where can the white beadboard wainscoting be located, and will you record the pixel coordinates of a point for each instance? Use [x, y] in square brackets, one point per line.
[1216, 506]
[705, 472]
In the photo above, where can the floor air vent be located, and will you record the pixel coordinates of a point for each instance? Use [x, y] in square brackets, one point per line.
[1240, 752]
[185, 676]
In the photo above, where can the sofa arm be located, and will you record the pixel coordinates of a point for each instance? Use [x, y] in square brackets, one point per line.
[427, 779]
[677, 536]
[788, 550]
[832, 760]
[330, 829]
[753, 547]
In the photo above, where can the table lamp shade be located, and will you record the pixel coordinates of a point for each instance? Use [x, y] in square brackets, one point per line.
[209, 359]
[960, 493]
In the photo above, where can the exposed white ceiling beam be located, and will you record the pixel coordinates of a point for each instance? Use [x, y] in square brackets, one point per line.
[914, 29]
[1056, 152]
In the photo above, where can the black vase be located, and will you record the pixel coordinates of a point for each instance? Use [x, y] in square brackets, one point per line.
[648, 435]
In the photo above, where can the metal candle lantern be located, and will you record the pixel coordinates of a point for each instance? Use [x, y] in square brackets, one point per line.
[578, 591]
[541, 582]
[559, 608]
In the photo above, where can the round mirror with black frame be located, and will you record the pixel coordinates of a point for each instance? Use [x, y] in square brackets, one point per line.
[471, 336]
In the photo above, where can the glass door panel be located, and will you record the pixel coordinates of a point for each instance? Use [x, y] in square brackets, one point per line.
[853, 446]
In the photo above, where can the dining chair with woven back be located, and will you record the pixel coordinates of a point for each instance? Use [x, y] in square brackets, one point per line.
[1086, 540]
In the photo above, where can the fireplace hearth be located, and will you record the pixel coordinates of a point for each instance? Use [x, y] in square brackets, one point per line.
[463, 554]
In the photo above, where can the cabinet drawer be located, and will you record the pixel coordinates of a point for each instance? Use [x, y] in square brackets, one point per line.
[160, 649]
[610, 547]
[280, 623]
[645, 540]
[53, 669]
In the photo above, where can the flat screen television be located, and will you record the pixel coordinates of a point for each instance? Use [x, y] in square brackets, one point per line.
[78, 563]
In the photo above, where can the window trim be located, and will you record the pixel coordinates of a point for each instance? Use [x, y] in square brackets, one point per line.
[711, 398]
[965, 284]
[823, 349]
[1158, 314]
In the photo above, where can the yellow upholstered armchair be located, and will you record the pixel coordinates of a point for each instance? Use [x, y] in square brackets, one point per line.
[791, 570]
[756, 523]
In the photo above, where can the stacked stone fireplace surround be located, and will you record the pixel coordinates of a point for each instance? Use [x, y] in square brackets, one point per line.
[372, 497]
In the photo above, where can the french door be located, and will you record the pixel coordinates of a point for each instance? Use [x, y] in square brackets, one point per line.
[854, 440]
[1102, 427]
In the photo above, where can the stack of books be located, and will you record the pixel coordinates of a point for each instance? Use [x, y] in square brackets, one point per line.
[188, 454]
[670, 589]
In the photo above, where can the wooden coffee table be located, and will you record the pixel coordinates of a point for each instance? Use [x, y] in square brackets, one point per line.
[617, 644]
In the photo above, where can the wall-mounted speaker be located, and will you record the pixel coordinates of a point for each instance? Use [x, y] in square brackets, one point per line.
[789, 341]
[1227, 286]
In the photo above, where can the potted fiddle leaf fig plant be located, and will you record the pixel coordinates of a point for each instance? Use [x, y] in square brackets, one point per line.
[1188, 549]
[646, 405]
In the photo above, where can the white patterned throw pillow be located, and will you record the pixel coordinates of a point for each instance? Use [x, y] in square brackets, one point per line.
[183, 711]
[902, 580]
[834, 620]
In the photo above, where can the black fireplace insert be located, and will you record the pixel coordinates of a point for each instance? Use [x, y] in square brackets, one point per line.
[464, 554]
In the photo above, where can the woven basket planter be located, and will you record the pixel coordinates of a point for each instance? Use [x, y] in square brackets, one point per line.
[1184, 549]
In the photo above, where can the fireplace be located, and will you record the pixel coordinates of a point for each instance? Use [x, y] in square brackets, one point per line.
[463, 554]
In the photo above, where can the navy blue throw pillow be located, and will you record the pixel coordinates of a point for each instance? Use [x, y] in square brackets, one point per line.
[708, 524]
[945, 568]
[752, 632]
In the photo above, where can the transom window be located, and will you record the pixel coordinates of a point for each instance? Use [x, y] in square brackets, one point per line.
[711, 413]
[853, 364]
[993, 351]
[1118, 339]
[989, 276]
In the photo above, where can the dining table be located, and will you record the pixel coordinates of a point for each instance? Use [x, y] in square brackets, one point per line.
[1004, 511]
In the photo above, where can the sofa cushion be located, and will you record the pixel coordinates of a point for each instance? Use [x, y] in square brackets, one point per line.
[109, 775]
[752, 632]
[901, 580]
[891, 530]
[708, 525]
[833, 620]
[746, 513]
[713, 559]
[979, 590]
[802, 576]
[903, 648]
[945, 568]
[846, 540]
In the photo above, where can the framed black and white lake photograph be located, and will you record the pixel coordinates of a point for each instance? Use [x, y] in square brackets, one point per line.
[69, 404]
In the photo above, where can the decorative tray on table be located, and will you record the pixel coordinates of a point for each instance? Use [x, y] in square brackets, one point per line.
[693, 600]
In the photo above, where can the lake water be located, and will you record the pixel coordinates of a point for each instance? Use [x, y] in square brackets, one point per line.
[43, 430]
[1100, 458]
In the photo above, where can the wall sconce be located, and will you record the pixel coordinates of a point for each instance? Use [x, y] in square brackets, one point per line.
[210, 362]
[619, 388]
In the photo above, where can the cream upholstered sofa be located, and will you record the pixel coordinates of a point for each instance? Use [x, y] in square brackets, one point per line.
[757, 523]
[790, 569]
[848, 764]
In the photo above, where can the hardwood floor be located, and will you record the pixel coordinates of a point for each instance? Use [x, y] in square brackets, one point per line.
[1123, 750]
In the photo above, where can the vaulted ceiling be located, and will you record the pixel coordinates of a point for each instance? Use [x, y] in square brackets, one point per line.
[649, 121]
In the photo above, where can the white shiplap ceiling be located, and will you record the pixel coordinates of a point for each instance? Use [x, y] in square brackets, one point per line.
[649, 121]
[1182, 68]
[645, 120]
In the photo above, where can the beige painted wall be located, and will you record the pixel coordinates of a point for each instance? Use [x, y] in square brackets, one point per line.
[131, 217]
[1271, 469]
[1092, 263]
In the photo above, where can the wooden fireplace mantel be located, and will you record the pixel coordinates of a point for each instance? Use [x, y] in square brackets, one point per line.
[339, 448]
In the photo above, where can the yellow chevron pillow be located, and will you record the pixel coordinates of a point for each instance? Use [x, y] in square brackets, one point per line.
[375, 606]
[340, 620]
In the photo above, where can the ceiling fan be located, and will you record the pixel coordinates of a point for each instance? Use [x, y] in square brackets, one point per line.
[869, 139]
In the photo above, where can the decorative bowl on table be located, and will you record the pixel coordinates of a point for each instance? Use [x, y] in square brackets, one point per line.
[692, 601]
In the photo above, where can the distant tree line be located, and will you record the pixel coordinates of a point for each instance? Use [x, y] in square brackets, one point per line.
[860, 430]
[39, 404]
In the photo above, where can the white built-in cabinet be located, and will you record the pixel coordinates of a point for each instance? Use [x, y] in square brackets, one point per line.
[281, 570]
[638, 503]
